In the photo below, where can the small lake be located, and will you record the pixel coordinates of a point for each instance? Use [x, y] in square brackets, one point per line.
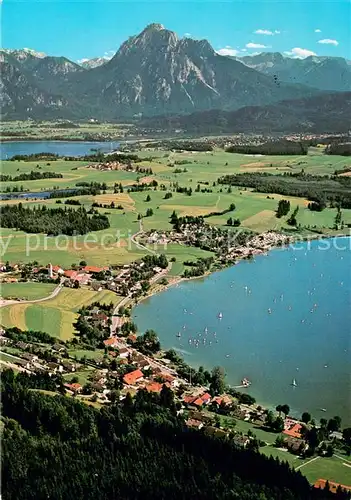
[62, 148]
[286, 316]
[40, 195]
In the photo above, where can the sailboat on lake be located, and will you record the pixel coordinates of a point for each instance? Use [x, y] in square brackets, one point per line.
[294, 383]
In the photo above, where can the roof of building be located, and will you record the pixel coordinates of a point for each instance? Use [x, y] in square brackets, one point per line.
[206, 397]
[189, 399]
[320, 483]
[222, 400]
[94, 269]
[293, 431]
[56, 268]
[194, 423]
[123, 350]
[111, 341]
[166, 376]
[132, 377]
[154, 387]
[198, 402]
[74, 387]
[70, 273]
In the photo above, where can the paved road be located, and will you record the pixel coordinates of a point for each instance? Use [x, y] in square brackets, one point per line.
[5, 302]
[116, 319]
[136, 235]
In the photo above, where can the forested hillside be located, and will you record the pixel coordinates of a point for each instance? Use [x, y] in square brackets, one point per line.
[56, 447]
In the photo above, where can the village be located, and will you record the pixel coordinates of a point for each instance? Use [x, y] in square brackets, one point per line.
[130, 280]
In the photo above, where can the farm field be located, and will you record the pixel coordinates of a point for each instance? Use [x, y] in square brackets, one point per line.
[114, 246]
[52, 130]
[336, 468]
[26, 291]
[55, 316]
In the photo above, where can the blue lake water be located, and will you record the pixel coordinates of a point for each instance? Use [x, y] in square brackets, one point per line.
[62, 148]
[40, 195]
[285, 316]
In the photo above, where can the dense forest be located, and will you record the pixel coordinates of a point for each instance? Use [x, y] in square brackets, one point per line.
[343, 149]
[282, 147]
[59, 448]
[52, 221]
[335, 190]
[32, 176]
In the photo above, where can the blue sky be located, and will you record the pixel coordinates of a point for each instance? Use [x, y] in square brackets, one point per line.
[85, 29]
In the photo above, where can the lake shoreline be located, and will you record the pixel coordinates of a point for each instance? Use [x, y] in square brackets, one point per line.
[267, 401]
[179, 279]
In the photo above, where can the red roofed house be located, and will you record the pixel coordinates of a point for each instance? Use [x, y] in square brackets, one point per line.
[189, 399]
[74, 387]
[221, 400]
[70, 274]
[154, 387]
[206, 398]
[167, 377]
[195, 424]
[83, 278]
[57, 269]
[198, 402]
[133, 377]
[94, 269]
[320, 483]
[111, 341]
[293, 431]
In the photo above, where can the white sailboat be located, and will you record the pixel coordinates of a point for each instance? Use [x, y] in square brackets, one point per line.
[293, 383]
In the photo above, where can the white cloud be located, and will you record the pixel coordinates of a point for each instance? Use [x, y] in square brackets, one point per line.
[256, 46]
[318, 30]
[228, 51]
[267, 32]
[328, 41]
[299, 53]
[187, 35]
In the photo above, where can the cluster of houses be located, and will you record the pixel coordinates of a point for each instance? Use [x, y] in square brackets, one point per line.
[126, 280]
[34, 361]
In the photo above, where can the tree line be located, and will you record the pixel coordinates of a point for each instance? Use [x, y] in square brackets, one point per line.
[51, 221]
[32, 176]
[319, 189]
[282, 147]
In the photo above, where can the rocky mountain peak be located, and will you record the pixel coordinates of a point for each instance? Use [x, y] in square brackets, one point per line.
[154, 27]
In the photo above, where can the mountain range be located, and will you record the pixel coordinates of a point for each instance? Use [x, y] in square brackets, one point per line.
[325, 73]
[326, 113]
[157, 73]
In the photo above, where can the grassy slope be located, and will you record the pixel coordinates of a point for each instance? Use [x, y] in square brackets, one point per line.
[254, 209]
[55, 316]
[27, 291]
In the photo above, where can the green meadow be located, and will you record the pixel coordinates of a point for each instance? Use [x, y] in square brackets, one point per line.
[57, 315]
[114, 245]
[26, 291]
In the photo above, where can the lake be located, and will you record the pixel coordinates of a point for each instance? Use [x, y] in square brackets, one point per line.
[62, 148]
[38, 195]
[286, 316]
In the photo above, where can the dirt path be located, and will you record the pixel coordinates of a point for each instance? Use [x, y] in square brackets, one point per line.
[306, 463]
